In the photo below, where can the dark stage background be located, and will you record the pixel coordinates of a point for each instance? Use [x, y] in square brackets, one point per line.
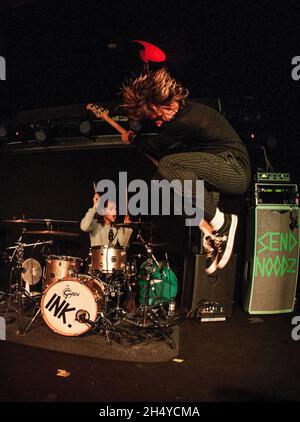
[74, 52]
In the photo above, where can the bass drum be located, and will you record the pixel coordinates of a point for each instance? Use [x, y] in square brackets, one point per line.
[69, 301]
[163, 284]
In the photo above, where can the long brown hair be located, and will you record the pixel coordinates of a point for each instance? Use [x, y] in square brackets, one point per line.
[153, 88]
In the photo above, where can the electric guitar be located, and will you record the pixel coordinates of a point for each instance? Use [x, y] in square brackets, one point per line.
[103, 114]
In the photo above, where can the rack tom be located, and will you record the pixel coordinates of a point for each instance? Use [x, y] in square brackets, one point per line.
[59, 267]
[108, 259]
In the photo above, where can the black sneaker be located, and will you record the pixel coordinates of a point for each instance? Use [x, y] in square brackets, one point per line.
[211, 252]
[224, 239]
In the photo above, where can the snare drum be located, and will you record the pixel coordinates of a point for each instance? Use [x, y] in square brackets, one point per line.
[68, 303]
[58, 267]
[108, 259]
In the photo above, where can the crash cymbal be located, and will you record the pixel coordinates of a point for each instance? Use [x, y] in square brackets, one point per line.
[31, 271]
[15, 220]
[39, 221]
[52, 233]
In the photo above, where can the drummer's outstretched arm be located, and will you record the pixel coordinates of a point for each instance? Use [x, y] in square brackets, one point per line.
[88, 224]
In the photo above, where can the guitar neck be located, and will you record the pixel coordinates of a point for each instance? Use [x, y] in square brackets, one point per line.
[116, 125]
[119, 128]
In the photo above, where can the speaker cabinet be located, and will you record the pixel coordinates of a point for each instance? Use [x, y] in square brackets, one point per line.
[218, 287]
[271, 259]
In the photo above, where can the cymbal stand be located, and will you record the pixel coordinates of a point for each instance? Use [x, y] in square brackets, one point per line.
[20, 292]
[148, 316]
[105, 324]
[37, 308]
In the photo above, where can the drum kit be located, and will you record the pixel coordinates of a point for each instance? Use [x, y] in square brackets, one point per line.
[107, 293]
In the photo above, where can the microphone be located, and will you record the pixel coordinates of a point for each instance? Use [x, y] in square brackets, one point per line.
[83, 317]
[110, 235]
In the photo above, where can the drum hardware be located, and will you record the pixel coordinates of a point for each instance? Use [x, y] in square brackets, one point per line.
[130, 268]
[48, 242]
[17, 292]
[148, 314]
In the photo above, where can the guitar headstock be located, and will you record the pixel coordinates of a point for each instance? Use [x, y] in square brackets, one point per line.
[98, 110]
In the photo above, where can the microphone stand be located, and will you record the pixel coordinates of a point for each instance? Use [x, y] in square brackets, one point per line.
[148, 317]
[269, 165]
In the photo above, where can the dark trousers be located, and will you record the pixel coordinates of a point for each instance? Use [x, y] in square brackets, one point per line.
[221, 173]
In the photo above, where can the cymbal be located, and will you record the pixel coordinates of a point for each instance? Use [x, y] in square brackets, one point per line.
[50, 220]
[52, 233]
[32, 271]
[13, 220]
[38, 221]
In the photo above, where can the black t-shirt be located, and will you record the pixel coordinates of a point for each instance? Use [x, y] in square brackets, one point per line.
[196, 127]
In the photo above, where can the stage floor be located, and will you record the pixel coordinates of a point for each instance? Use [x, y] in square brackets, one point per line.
[245, 358]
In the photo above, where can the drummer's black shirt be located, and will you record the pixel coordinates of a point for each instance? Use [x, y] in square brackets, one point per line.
[196, 127]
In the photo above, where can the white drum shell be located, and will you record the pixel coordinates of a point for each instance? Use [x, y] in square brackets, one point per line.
[64, 300]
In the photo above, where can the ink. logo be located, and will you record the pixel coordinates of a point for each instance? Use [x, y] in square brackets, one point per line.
[2, 69]
[296, 70]
[296, 329]
[2, 329]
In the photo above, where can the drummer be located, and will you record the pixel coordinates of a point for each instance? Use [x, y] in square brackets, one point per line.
[101, 227]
